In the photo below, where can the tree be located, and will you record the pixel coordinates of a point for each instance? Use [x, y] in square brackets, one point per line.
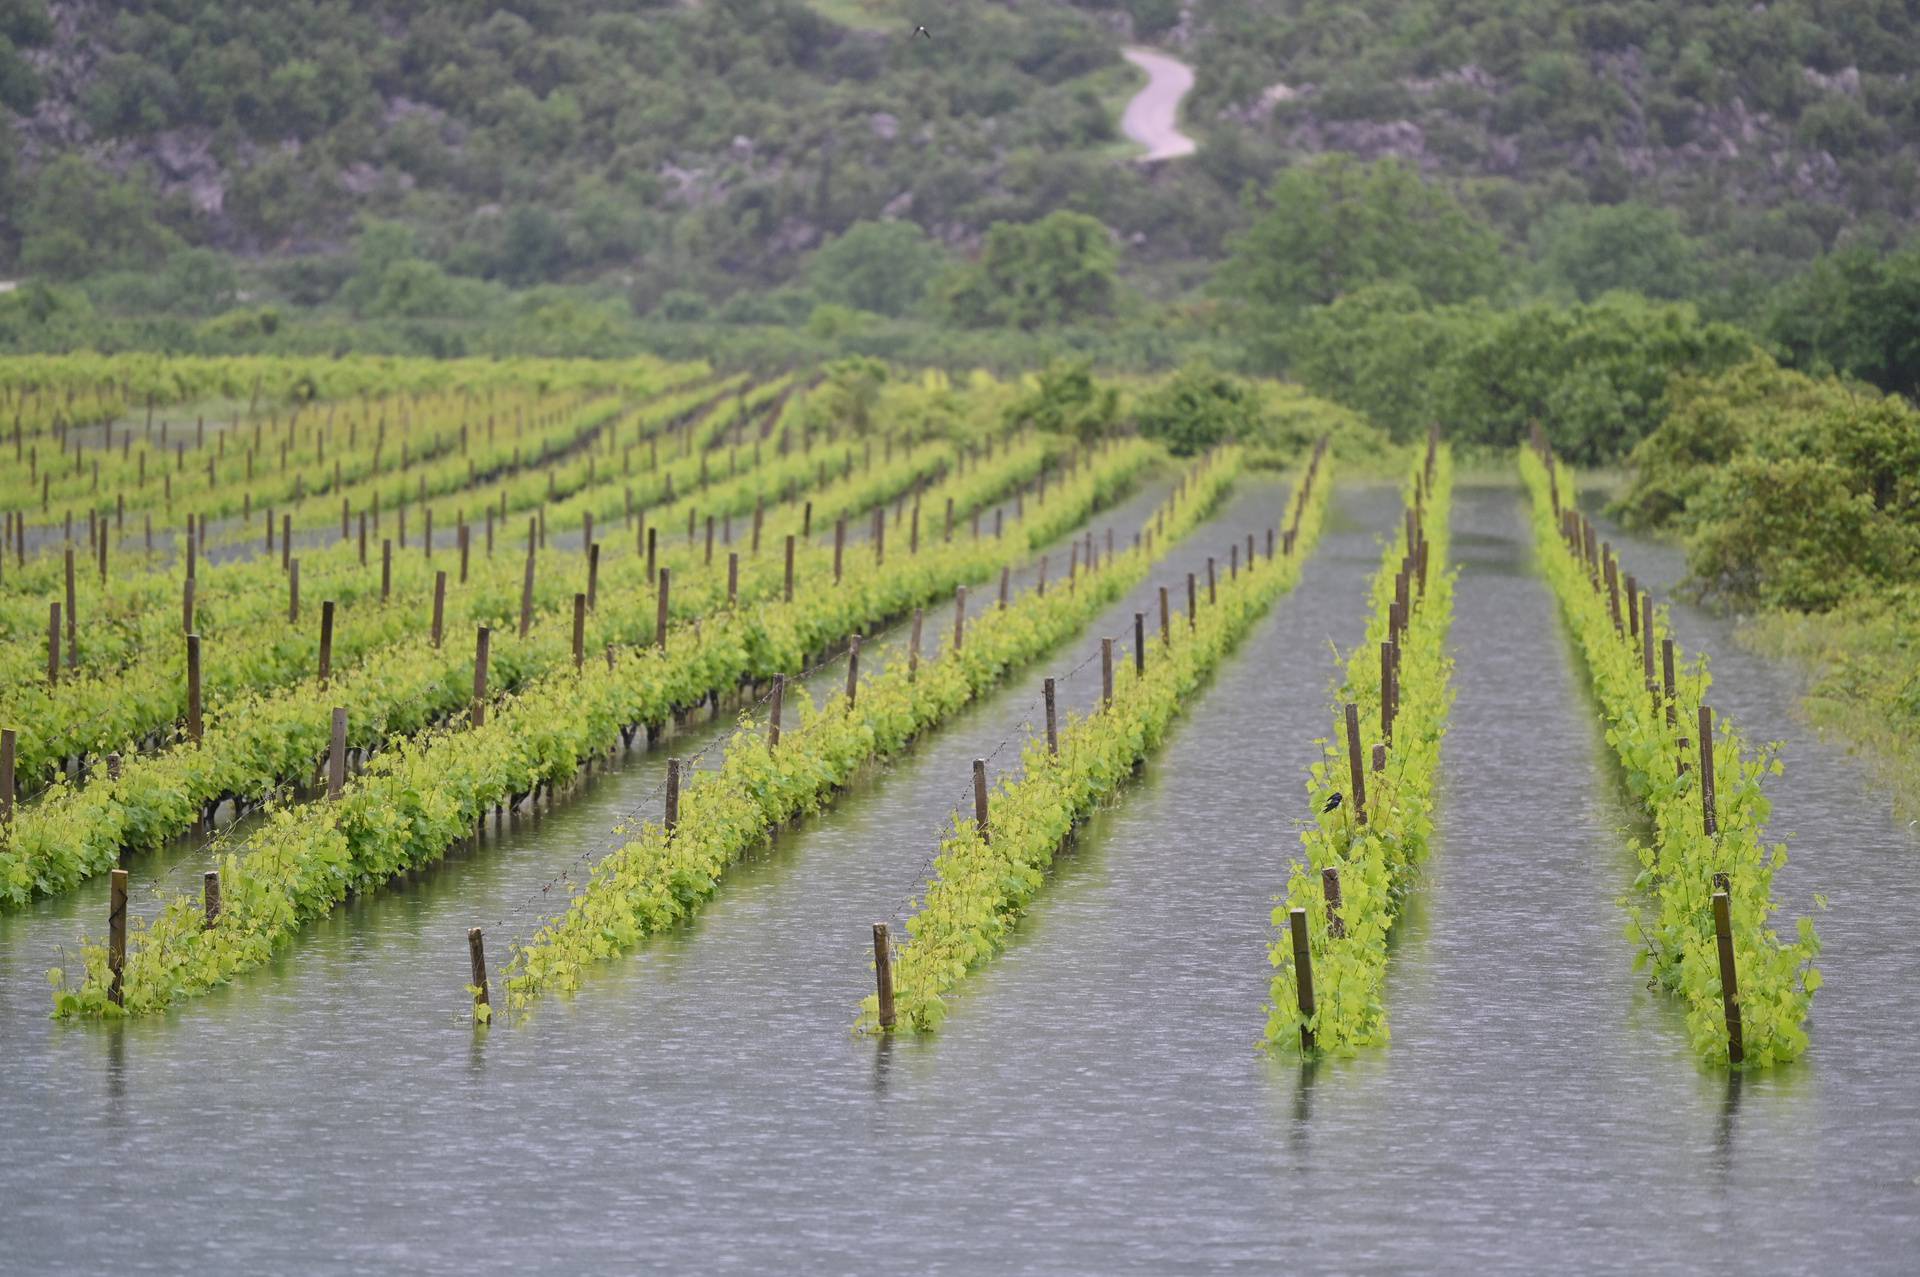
[1052, 271]
[1198, 407]
[1855, 311]
[1631, 246]
[1326, 228]
[80, 219]
[884, 267]
[1066, 399]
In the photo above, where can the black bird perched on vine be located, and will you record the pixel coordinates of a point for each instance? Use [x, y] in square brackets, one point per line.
[922, 31]
[1332, 804]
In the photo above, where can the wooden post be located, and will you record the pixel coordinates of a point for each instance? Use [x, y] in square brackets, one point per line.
[579, 632]
[653, 541]
[1053, 732]
[1355, 774]
[193, 687]
[1192, 601]
[482, 641]
[1729, 978]
[733, 578]
[593, 577]
[1106, 672]
[980, 798]
[1166, 620]
[787, 592]
[660, 610]
[959, 617]
[839, 545]
[526, 595]
[1139, 644]
[853, 668]
[9, 747]
[1213, 595]
[673, 796]
[477, 967]
[883, 973]
[117, 936]
[1330, 884]
[913, 646]
[286, 539]
[73, 616]
[326, 640]
[337, 755]
[1387, 691]
[1708, 820]
[210, 896]
[53, 645]
[1666, 675]
[293, 592]
[775, 703]
[386, 569]
[1302, 972]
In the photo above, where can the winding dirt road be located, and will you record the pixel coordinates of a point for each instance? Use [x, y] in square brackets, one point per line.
[1152, 117]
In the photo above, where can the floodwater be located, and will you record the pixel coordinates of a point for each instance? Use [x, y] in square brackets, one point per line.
[1095, 1101]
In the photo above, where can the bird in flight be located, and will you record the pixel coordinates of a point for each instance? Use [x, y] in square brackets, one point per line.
[922, 31]
[1332, 804]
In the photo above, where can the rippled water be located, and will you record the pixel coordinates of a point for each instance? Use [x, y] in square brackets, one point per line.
[1095, 1101]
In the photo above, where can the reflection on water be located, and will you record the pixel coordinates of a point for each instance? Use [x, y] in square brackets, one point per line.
[1095, 1101]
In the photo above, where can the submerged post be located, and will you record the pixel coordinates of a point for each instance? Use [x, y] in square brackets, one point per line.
[117, 936]
[210, 896]
[477, 965]
[1303, 974]
[1709, 822]
[1106, 672]
[673, 796]
[774, 704]
[1355, 774]
[1330, 885]
[883, 973]
[483, 640]
[1053, 734]
[1729, 978]
[980, 798]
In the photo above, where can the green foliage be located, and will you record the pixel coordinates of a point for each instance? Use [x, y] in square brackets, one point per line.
[1673, 922]
[1326, 228]
[1030, 275]
[1790, 492]
[1200, 407]
[1856, 312]
[1064, 397]
[1633, 247]
[654, 879]
[1377, 860]
[883, 267]
[79, 219]
[982, 885]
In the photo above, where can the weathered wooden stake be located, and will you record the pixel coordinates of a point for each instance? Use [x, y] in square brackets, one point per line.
[1166, 620]
[386, 569]
[787, 591]
[9, 746]
[1302, 973]
[210, 896]
[1355, 774]
[1330, 885]
[193, 688]
[337, 755]
[1709, 822]
[913, 646]
[660, 609]
[53, 645]
[774, 704]
[117, 935]
[733, 578]
[1666, 677]
[477, 967]
[1053, 732]
[853, 668]
[526, 595]
[579, 632]
[439, 605]
[326, 640]
[482, 641]
[1729, 978]
[883, 973]
[1106, 672]
[673, 796]
[959, 617]
[839, 545]
[980, 799]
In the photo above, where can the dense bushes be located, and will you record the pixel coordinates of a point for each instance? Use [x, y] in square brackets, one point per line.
[1790, 492]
